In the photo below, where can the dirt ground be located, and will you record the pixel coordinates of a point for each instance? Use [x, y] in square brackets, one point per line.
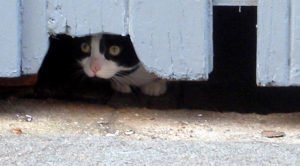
[193, 124]
[129, 116]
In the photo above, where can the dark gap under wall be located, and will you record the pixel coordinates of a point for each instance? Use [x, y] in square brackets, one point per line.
[232, 82]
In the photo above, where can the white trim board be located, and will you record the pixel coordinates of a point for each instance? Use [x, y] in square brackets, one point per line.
[235, 2]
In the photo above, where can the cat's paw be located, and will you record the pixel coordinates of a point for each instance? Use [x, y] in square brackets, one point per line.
[155, 88]
[123, 88]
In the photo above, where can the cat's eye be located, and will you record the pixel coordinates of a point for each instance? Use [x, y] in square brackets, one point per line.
[114, 50]
[85, 48]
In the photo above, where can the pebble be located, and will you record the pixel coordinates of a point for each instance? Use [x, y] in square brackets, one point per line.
[273, 134]
[129, 132]
[28, 118]
[17, 131]
[199, 115]
[113, 134]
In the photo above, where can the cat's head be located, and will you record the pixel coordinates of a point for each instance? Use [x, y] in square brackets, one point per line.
[106, 56]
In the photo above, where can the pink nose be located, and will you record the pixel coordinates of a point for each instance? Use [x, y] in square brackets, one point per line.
[95, 67]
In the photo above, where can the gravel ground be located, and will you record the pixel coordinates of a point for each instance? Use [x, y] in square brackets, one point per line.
[99, 150]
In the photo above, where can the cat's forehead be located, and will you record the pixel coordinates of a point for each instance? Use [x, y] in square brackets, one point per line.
[115, 39]
[83, 39]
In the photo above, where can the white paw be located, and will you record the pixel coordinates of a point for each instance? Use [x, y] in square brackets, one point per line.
[123, 88]
[155, 88]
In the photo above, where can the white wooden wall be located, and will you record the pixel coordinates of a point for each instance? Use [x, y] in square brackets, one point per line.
[167, 39]
[175, 41]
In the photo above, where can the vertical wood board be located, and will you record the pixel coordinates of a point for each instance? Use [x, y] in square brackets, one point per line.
[78, 18]
[273, 43]
[173, 38]
[34, 35]
[10, 41]
[295, 43]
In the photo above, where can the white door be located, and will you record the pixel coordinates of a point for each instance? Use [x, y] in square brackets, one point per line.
[278, 51]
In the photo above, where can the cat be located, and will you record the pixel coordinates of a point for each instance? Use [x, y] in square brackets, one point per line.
[76, 62]
[61, 76]
[113, 57]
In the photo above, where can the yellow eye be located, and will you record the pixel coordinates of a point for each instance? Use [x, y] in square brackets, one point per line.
[114, 50]
[85, 47]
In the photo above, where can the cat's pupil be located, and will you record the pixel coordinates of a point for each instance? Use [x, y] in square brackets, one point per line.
[85, 48]
[114, 50]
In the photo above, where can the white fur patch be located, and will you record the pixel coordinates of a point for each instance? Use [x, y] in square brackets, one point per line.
[155, 88]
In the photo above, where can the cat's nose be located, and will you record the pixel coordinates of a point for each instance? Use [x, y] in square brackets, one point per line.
[95, 67]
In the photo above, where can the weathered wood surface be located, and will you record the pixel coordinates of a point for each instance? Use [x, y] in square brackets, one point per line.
[34, 35]
[10, 36]
[278, 44]
[167, 39]
[235, 2]
[175, 40]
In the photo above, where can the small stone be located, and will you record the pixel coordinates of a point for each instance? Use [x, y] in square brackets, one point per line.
[110, 135]
[17, 131]
[28, 118]
[113, 134]
[129, 132]
[199, 115]
[102, 122]
[136, 114]
[273, 134]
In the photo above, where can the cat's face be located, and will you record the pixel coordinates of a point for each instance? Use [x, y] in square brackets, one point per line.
[105, 56]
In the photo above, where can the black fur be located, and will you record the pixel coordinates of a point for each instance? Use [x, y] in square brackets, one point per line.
[127, 57]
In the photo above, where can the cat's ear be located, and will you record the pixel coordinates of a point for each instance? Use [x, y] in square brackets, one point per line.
[127, 36]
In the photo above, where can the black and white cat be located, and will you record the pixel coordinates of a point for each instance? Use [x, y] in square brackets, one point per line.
[113, 57]
[74, 63]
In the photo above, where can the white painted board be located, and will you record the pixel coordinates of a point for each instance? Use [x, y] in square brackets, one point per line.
[173, 38]
[34, 35]
[78, 18]
[176, 44]
[278, 44]
[10, 41]
[235, 2]
[295, 43]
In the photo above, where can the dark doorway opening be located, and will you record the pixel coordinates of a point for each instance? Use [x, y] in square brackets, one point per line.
[232, 84]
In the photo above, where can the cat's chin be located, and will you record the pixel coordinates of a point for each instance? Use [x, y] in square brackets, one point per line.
[103, 76]
[89, 73]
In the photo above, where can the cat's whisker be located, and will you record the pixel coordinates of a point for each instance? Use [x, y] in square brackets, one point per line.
[126, 78]
[132, 80]
[115, 80]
